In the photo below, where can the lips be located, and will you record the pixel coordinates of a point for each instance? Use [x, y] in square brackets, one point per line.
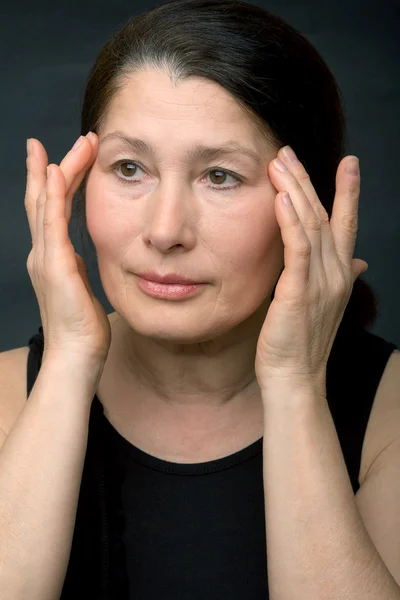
[168, 278]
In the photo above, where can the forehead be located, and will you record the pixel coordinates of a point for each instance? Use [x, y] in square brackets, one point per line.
[152, 95]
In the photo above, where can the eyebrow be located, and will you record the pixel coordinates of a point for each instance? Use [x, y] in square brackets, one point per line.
[199, 152]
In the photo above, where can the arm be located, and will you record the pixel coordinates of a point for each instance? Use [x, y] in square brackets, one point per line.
[318, 547]
[41, 465]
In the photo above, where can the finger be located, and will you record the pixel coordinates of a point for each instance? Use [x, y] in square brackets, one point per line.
[39, 244]
[54, 223]
[35, 182]
[344, 219]
[310, 221]
[297, 246]
[74, 171]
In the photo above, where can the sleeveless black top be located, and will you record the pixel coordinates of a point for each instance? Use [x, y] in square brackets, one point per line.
[148, 529]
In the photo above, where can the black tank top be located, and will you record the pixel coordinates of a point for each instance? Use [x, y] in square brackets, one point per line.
[149, 529]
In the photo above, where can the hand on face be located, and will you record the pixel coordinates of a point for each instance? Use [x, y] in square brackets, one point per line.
[316, 284]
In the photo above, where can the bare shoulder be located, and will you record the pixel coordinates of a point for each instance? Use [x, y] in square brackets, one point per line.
[13, 385]
[384, 422]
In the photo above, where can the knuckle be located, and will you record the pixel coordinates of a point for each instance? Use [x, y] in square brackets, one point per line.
[304, 251]
[41, 199]
[40, 206]
[29, 262]
[47, 223]
[303, 176]
[32, 264]
[313, 225]
[29, 209]
[323, 215]
[28, 201]
[349, 222]
[324, 219]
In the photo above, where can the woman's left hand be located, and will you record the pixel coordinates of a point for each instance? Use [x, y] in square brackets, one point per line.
[316, 284]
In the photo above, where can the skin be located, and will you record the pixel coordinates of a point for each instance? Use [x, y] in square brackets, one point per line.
[186, 365]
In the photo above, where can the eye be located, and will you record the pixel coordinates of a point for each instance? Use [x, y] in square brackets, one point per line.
[220, 173]
[131, 168]
[129, 171]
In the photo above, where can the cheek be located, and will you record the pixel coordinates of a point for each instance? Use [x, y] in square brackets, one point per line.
[105, 222]
[250, 255]
[259, 259]
[258, 244]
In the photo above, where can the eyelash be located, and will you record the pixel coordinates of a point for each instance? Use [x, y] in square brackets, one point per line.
[215, 187]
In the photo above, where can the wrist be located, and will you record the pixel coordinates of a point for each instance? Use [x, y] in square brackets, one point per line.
[67, 365]
[292, 392]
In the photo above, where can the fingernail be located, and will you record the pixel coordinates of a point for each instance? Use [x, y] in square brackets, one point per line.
[280, 165]
[352, 166]
[77, 143]
[289, 154]
[28, 147]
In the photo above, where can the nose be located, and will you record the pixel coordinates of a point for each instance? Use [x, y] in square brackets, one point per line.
[170, 219]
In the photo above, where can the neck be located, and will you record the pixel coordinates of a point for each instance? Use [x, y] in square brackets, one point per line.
[178, 399]
[212, 374]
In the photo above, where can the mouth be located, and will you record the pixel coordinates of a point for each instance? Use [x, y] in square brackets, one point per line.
[168, 291]
[168, 278]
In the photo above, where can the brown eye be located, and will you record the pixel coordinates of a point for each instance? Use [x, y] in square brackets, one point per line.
[221, 174]
[128, 169]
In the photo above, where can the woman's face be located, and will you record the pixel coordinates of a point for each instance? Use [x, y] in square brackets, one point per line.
[163, 211]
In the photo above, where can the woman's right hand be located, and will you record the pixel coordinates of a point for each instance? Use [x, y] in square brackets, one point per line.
[73, 320]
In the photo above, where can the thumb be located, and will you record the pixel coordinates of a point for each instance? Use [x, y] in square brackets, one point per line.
[359, 267]
[83, 272]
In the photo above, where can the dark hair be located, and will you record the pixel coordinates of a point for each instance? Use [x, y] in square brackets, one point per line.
[273, 72]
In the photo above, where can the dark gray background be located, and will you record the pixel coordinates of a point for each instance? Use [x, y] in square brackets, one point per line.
[47, 49]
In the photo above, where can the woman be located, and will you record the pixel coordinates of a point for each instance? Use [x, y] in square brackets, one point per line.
[207, 381]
